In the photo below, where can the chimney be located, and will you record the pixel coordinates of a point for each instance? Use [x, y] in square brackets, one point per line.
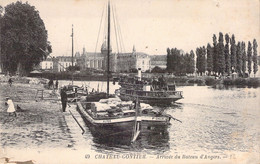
[139, 74]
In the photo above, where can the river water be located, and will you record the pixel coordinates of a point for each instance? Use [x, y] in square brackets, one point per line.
[214, 120]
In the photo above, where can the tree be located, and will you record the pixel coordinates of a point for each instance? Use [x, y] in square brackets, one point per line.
[175, 58]
[198, 60]
[191, 67]
[221, 54]
[233, 53]
[215, 54]
[201, 60]
[239, 58]
[249, 58]
[157, 69]
[186, 61]
[25, 38]
[243, 58]
[255, 56]
[209, 59]
[227, 55]
[180, 67]
[168, 64]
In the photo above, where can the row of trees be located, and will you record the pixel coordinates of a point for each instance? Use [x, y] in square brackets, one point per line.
[218, 59]
[179, 63]
[23, 38]
[225, 59]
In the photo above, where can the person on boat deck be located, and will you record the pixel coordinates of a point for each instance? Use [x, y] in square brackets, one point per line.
[137, 105]
[11, 108]
[154, 83]
[162, 82]
[64, 98]
[57, 84]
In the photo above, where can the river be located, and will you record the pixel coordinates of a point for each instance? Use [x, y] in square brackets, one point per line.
[214, 120]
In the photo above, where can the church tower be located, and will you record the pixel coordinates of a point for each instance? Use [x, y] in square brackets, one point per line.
[134, 50]
[84, 51]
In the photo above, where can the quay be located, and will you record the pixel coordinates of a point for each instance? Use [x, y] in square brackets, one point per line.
[40, 127]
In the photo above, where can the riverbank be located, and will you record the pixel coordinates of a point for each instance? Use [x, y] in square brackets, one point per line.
[38, 121]
[39, 127]
[178, 80]
[212, 81]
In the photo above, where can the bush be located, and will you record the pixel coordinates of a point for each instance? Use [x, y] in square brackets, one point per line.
[240, 81]
[157, 69]
[253, 82]
[210, 81]
[197, 81]
[228, 82]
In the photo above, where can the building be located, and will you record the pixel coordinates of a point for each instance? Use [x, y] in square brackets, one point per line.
[158, 60]
[61, 63]
[118, 62]
[46, 64]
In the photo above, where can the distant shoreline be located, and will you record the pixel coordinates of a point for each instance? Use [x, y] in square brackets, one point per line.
[178, 80]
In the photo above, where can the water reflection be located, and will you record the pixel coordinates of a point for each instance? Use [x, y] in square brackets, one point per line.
[110, 139]
[150, 142]
[231, 87]
[214, 119]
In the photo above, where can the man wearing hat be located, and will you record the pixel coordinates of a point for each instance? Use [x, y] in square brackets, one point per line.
[64, 99]
[11, 108]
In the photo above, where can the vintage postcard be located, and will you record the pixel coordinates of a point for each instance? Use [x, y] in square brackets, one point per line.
[129, 81]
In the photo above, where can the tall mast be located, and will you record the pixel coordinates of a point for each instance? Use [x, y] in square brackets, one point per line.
[108, 47]
[72, 54]
[72, 45]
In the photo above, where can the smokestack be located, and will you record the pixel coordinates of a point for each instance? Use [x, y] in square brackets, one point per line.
[139, 74]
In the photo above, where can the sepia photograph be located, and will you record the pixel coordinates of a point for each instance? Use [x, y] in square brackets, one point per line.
[129, 81]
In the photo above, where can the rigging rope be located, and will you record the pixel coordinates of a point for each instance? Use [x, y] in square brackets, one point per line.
[105, 27]
[99, 29]
[120, 34]
[115, 28]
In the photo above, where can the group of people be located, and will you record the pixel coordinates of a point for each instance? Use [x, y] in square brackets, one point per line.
[159, 83]
[51, 84]
[11, 107]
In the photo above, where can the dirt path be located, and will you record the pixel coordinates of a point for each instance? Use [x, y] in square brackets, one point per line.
[40, 124]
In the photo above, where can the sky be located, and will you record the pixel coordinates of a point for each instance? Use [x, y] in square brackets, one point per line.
[150, 25]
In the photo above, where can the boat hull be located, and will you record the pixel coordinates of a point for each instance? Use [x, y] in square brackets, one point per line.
[150, 100]
[121, 129]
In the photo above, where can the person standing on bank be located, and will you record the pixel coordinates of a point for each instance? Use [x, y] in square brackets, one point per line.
[11, 108]
[10, 81]
[64, 98]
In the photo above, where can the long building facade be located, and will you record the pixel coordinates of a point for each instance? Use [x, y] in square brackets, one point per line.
[118, 62]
